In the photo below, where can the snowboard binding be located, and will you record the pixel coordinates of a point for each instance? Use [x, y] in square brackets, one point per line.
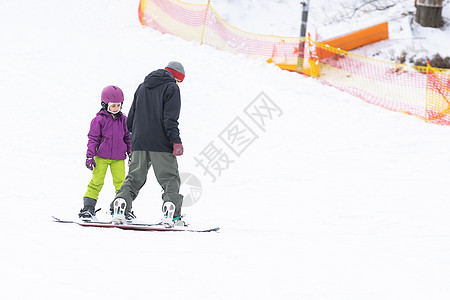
[168, 212]
[118, 214]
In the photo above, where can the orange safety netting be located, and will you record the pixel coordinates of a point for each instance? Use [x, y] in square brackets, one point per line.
[419, 91]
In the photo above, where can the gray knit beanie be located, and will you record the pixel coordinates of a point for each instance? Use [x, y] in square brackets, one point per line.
[176, 69]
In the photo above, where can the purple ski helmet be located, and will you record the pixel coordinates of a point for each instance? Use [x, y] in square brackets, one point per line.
[111, 94]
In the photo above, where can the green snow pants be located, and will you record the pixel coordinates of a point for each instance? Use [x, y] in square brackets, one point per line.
[165, 167]
[98, 176]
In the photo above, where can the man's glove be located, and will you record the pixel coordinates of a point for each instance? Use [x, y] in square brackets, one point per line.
[178, 149]
[129, 158]
[90, 163]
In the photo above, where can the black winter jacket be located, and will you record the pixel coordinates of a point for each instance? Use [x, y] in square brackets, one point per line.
[153, 117]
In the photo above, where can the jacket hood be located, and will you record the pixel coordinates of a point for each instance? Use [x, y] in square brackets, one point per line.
[157, 78]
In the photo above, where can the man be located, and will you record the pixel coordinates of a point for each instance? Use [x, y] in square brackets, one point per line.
[155, 140]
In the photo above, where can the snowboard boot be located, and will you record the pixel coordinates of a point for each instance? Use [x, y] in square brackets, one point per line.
[87, 213]
[130, 217]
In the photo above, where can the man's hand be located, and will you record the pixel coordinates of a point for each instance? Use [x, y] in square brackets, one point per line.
[178, 149]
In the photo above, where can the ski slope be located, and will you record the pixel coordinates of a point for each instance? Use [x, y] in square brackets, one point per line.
[333, 199]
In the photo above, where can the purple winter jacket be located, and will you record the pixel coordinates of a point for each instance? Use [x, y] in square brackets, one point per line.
[108, 136]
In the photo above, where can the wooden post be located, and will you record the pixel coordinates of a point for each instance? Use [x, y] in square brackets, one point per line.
[429, 13]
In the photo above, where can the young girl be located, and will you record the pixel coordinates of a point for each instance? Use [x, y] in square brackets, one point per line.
[108, 145]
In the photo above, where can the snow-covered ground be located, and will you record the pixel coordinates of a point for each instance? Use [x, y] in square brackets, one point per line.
[334, 199]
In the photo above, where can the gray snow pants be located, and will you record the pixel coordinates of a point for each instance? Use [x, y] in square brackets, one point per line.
[165, 167]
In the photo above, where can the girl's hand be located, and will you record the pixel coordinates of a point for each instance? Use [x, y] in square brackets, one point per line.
[90, 163]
